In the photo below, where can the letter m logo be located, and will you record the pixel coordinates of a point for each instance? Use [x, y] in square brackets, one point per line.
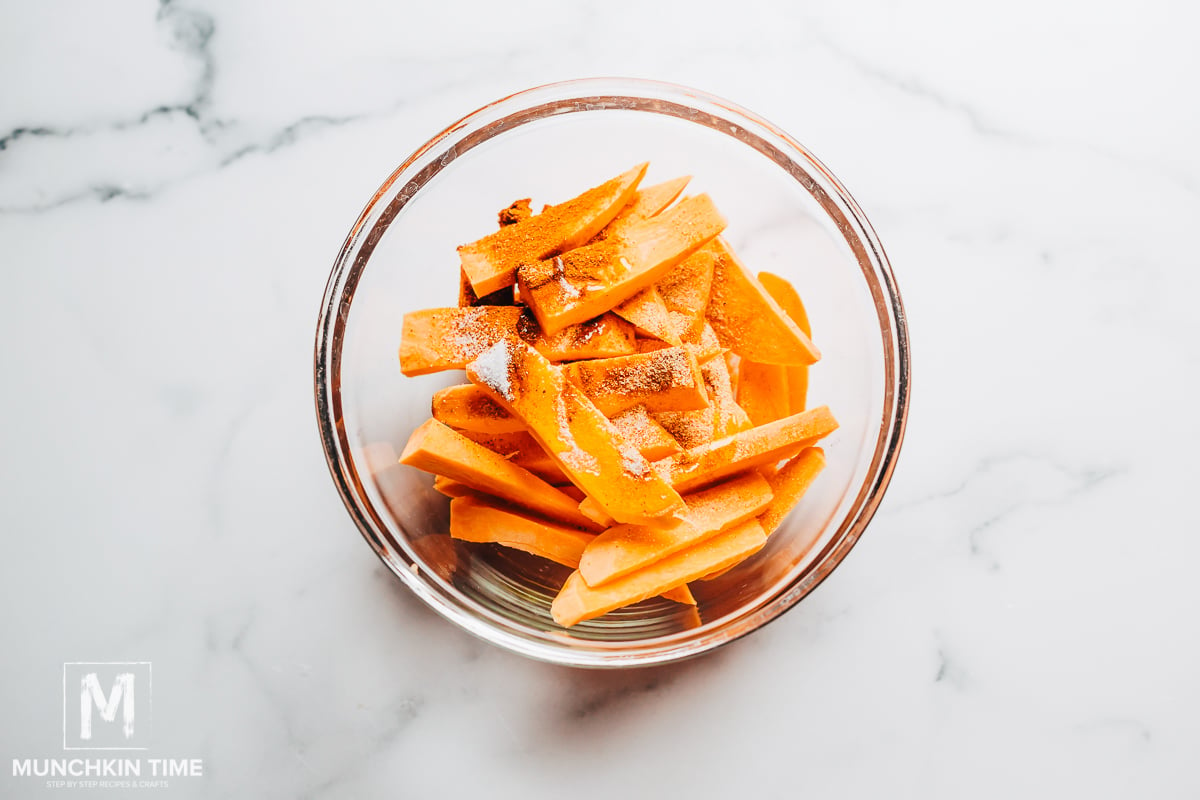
[92, 695]
[106, 706]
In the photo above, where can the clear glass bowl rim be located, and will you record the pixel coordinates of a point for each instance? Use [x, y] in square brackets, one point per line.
[588, 95]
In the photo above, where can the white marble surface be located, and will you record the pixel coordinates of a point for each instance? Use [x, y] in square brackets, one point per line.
[1020, 620]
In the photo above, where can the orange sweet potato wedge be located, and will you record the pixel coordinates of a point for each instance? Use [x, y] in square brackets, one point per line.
[576, 434]
[728, 416]
[747, 319]
[577, 601]
[763, 391]
[601, 337]
[750, 448]
[436, 339]
[452, 488]
[661, 380]
[690, 428]
[469, 408]
[788, 485]
[523, 450]
[685, 291]
[574, 492]
[648, 314]
[467, 296]
[491, 262]
[623, 549]
[680, 594]
[582, 283]
[703, 345]
[645, 433]
[695, 428]
[436, 448]
[646, 203]
[604, 336]
[789, 300]
[732, 366]
[797, 382]
[475, 519]
[596, 513]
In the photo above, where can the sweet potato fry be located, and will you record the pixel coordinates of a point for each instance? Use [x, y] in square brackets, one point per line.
[689, 428]
[732, 364]
[645, 433]
[491, 262]
[747, 319]
[750, 448]
[797, 382]
[703, 346]
[685, 291]
[577, 601]
[435, 448]
[694, 428]
[789, 483]
[763, 391]
[478, 518]
[469, 408]
[474, 519]
[595, 512]
[649, 315]
[662, 380]
[574, 492]
[623, 549]
[452, 488]
[789, 300]
[680, 594]
[467, 296]
[728, 416]
[436, 339]
[646, 203]
[523, 450]
[605, 336]
[586, 445]
[590, 280]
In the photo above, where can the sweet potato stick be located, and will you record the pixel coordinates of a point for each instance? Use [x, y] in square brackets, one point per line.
[435, 448]
[663, 380]
[752, 447]
[586, 445]
[789, 483]
[748, 320]
[474, 519]
[623, 549]
[577, 601]
[436, 339]
[789, 300]
[582, 283]
[491, 262]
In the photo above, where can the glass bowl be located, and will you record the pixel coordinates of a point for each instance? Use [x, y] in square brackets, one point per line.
[787, 214]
